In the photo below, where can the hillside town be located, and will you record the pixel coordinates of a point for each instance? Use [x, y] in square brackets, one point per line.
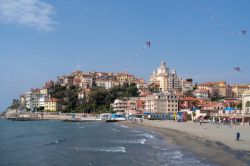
[164, 96]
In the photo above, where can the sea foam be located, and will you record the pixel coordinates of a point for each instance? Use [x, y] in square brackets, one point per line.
[120, 149]
[146, 135]
[132, 141]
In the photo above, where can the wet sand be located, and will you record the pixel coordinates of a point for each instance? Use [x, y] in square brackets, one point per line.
[207, 149]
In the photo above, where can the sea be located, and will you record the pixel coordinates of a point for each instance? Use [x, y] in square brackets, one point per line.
[56, 143]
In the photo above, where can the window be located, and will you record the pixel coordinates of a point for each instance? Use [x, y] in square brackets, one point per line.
[248, 104]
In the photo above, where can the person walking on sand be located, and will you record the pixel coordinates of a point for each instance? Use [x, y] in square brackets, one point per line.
[237, 136]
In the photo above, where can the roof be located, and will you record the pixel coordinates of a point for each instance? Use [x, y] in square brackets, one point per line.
[213, 104]
[188, 99]
[140, 102]
[201, 91]
[53, 100]
[212, 83]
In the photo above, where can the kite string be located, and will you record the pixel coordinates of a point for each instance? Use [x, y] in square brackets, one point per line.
[216, 19]
[138, 53]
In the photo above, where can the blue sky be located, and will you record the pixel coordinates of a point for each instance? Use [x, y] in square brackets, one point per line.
[41, 39]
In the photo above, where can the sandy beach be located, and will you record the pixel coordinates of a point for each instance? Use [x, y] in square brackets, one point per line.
[211, 143]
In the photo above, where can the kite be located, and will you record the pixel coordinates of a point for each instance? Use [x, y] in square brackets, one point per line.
[237, 69]
[148, 43]
[243, 32]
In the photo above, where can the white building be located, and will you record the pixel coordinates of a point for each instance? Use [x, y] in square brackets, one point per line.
[120, 106]
[246, 102]
[42, 99]
[161, 103]
[32, 100]
[35, 99]
[107, 84]
[150, 103]
[168, 81]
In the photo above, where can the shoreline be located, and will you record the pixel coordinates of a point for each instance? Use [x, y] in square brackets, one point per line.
[208, 151]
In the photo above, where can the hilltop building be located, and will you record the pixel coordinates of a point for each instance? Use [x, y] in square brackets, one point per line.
[168, 81]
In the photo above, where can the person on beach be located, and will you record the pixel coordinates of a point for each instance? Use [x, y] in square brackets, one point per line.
[200, 121]
[237, 136]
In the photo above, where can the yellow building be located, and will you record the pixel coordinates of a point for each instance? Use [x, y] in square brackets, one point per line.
[52, 105]
[44, 91]
[238, 90]
[125, 77]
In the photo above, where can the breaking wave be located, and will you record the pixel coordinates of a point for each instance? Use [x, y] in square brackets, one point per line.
[115, 130]
[103, 149]
[146, 135]
[132, 141]
[56, 141]
[120, 125]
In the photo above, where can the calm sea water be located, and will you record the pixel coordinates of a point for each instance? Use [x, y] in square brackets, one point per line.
[55, 143]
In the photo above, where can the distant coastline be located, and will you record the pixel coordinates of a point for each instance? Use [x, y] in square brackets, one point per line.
[14, 114]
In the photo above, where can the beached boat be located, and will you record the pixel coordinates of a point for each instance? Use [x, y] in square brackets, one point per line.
[116, 118]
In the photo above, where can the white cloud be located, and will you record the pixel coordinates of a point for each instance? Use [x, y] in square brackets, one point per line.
[31, 13]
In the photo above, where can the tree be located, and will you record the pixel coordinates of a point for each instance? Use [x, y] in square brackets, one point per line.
[239, 106]
[40, 109]
[15, 104]
[216, 96]
[195, 86]
[99, 98]
[189, 93]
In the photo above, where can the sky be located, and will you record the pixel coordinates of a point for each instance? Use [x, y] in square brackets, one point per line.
[42, 39]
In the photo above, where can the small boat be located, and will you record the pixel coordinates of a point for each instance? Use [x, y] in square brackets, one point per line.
[116, 118]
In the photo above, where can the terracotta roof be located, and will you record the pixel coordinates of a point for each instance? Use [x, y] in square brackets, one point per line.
[212, 83]
[213, 104]
[53, 100]
[201, 91]
[188, 99]
[140, 102]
